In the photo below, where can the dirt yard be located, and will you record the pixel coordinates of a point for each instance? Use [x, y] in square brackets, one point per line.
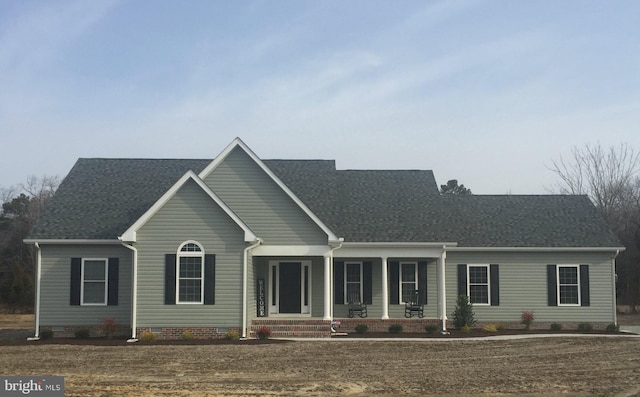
[567, 366]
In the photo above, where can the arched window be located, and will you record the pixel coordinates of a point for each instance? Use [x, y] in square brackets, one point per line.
[190, 273]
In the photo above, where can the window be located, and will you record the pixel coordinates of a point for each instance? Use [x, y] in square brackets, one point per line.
[353, 280]
[408, 281]
[190, 271]
[478, 284]
[94, 282]
[568, 285]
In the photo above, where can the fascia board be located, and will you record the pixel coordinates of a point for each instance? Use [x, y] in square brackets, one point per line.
[536, 249]
[239, 143]
[72, 241]
[130, 234]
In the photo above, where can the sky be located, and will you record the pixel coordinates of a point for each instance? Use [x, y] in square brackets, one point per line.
[485, 92]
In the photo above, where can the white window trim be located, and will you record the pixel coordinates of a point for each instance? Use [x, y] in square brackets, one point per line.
[415, 268]
[106, 282]
[346, 297]
[488, 267]
[577, 267]
[190, 254]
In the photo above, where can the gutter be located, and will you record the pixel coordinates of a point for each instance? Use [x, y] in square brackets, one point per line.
[245, 282]
[134, 293]
[37, 306]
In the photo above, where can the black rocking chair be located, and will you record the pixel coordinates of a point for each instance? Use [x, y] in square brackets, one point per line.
[414, 307]
[356, 306]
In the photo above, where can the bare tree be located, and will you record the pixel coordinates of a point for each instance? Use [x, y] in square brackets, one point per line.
[610, 177]
[40, 190]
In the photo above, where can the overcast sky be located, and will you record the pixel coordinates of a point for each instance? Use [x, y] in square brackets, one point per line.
[486, 92]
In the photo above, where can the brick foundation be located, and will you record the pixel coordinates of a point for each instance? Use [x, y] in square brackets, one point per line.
[95, 331]
[378, 325]
[176, 333]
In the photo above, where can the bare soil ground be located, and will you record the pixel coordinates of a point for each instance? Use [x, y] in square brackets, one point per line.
[567, 366]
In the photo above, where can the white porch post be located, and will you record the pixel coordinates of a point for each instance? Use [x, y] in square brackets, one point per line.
[327, 288]
[385, 289]
[442, 289]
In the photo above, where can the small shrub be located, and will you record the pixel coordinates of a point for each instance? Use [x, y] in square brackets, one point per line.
[263, 332]
[556, 326]
[500, 327]
[463, 313]
[395, 328]
[187, 335]
[109, 327]
[585, 327]
[147, 336]
[232, 335]
[613, 327]
[466, 329]
[46, 334]
[527, 318]
[82, 333]
[431, 328]
[490, 328]
[361, 328]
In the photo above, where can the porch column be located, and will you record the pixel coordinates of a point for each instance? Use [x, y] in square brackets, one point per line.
[385, 289]
[327, 288]
[442, 289]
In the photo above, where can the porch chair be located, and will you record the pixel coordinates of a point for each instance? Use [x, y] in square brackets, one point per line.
[356, 305]
[414, 307]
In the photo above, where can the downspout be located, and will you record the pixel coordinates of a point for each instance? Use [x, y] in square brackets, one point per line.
[37, 306]
[245, 283]
[615, 292]
[443, 289]
[134, 297]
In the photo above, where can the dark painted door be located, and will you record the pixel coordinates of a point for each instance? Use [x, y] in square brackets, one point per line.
[290, 288]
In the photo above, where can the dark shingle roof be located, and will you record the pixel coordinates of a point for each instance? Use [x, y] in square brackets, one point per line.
[101, 198]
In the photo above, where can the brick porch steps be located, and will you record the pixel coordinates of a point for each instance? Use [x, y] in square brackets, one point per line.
[292, 328]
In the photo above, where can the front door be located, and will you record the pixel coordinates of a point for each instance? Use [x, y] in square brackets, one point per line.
[290, 284]
[290, 288]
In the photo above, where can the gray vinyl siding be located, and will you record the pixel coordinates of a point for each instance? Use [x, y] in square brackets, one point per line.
[523, 286]
[261, 203]
[374, 310]
[55, 309]
[190, 215]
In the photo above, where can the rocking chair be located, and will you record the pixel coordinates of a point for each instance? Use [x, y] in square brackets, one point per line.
[414, 307]
[356, 306]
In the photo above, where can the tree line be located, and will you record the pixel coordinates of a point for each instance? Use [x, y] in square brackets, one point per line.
[21, 208]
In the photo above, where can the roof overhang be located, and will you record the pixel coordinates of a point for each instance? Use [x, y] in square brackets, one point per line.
[392, 249]
[71, 241]
[535, 249]
[238, 143]
[130, 234]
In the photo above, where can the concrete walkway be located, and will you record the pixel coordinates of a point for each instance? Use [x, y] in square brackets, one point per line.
[630, 328]
[482, 338]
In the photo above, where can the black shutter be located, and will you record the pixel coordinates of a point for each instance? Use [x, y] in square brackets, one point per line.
[394, 282]
[367, 287]
[584, 286]
[422, 282]
[338, 282]
[76, 275]
[113, 281]
[552, 286]
[209, 279]
[495, 285]
[462, 280]
[170, 279]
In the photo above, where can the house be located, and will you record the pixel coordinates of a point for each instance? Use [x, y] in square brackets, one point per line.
[238, 242]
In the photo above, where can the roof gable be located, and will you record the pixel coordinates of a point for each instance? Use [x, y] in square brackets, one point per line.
[130, 234]
[238, 144]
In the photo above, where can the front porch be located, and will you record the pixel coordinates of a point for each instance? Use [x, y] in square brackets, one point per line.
[319, 328]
